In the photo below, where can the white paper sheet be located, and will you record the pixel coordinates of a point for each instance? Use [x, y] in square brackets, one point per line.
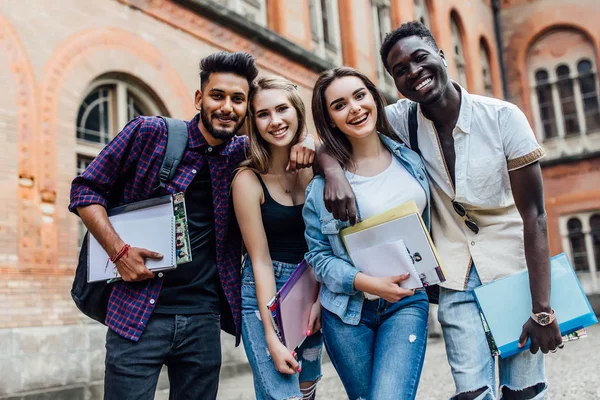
[387, 259]
[155, 233]
[407, 229]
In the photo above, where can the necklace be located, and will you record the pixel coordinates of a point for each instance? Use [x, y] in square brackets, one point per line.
[288, 191]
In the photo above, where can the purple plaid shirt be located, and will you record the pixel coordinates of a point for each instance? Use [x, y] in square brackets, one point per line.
[137, 153]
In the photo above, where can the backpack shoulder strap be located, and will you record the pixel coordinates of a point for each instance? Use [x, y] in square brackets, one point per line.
[177, 142]
[413, 126]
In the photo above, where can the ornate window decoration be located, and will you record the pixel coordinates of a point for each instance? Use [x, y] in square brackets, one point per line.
[564, 90]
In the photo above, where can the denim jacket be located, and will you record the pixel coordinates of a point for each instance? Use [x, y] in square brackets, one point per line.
[326, 251]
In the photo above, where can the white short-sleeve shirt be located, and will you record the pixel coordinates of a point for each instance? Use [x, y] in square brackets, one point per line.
[491, 138]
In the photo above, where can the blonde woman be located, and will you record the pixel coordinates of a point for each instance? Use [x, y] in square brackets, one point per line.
[268, 204]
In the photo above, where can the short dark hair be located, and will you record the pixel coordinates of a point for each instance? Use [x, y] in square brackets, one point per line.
[240, 63]
[413, 28]
[334, 140]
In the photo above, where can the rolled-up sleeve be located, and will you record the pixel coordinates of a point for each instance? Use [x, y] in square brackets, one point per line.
[520, 145]
[95, 182]
[335, 273]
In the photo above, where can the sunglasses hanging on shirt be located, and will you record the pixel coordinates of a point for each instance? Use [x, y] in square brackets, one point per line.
[462, 212]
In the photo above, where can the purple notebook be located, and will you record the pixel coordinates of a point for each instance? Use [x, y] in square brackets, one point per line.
[291, 306]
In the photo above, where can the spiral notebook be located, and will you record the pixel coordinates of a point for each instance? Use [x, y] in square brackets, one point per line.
[158, 224]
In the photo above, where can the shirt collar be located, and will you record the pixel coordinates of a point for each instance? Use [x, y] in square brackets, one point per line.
[466, 110]
[464, 114]
[197, 140]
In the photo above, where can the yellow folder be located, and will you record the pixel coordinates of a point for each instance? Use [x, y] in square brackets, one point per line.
[400, 212]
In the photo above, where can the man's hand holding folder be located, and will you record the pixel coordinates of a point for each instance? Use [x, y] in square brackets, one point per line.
[132, 266]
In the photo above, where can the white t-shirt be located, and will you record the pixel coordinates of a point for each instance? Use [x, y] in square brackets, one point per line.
[386, 190]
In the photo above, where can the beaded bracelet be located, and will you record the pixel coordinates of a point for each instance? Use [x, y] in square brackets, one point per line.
[123, 252]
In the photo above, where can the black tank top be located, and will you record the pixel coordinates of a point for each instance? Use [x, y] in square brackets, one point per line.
[284, 228]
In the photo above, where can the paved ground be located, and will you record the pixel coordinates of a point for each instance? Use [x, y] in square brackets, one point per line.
[574, 374]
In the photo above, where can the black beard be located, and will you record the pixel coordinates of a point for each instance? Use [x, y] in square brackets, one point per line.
[220, 134]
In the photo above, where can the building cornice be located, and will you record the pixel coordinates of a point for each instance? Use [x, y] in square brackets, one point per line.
[257, 33]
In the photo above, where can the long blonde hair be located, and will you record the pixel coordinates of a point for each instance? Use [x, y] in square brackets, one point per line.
[259, 157]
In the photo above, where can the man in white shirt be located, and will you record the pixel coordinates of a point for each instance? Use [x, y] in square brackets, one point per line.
[488, 215]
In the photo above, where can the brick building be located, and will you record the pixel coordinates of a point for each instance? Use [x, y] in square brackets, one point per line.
[73, 72]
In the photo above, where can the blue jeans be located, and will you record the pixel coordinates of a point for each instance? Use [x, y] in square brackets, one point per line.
[190, 347]
[268, 382]
[381, 357]
[472, 364]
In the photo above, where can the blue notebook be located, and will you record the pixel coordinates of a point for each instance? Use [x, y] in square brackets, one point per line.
[506, 305]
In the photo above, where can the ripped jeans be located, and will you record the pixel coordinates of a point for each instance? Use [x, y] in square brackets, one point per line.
[268, 382]
[472, 365]
[382, 357]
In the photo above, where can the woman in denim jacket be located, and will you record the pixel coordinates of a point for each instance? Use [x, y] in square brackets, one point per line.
[375, 331]
[268, 205]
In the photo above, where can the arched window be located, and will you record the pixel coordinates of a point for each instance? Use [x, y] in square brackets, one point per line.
[567, 100]
[567, 96]
[108, 106]
[422, 13]
[595, 232]
[578, 248]
[111, 101]
[458, 51]
[486, 70]
[544, 95]
[589, 94]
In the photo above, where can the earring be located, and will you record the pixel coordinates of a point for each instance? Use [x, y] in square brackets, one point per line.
[444, 62]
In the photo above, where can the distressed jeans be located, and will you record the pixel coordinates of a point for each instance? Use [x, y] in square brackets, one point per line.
[190, 347]
[472, 364]
[382, 357]
[268, 382]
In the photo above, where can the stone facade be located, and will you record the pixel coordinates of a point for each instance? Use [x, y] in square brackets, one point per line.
[51, 53]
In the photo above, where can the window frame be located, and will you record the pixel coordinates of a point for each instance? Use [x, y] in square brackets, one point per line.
[553, 81]
[590, 279]
[258, 15]
[421, 12]
[330, 50]
[459, 58]
[385, 82]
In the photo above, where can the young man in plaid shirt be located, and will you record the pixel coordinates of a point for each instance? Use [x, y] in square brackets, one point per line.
[174, 318]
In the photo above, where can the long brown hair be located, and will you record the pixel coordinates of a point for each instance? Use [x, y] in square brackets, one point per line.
[259, 157]
[333, 139]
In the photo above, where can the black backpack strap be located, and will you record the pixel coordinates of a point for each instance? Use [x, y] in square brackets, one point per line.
[177, 142]
[413, 126]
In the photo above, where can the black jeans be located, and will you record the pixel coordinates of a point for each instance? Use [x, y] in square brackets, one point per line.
[190, 347]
